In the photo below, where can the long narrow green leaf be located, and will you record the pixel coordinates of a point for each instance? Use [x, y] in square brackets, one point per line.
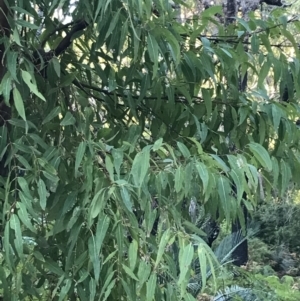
[19, 104]
[79, 156]
[151, 285]
[42, 194]
[185, 261]
[162, 245]
[18, 241]
[261, 155]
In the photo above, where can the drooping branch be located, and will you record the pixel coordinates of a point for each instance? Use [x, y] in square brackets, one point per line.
[4, 31]
[5, 110]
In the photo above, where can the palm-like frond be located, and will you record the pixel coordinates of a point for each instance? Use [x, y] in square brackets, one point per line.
[236, 292]
[223, 254]
[227, 246]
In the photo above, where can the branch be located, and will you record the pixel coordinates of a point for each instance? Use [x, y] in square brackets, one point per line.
[41, 57]
[246, 6]
[54, 31]
[67, 40]
[180, 98]
[273, 2]
[235, 39]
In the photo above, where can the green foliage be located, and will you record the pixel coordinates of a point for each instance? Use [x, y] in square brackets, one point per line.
[285, 291]
[279, 224]
[250, 287]
[260, 253]
[139, 115]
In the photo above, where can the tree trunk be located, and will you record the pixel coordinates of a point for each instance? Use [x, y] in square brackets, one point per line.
[231, 9]
[240, 254]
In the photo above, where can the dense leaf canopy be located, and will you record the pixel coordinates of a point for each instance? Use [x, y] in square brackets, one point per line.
[125, 111]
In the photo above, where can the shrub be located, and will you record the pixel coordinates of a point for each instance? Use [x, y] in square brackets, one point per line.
[280, 224]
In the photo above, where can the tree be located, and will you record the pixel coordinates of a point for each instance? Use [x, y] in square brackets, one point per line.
[114, 118]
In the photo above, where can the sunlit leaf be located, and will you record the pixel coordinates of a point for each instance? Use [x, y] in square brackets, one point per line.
[42, 194]
[132, 254]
